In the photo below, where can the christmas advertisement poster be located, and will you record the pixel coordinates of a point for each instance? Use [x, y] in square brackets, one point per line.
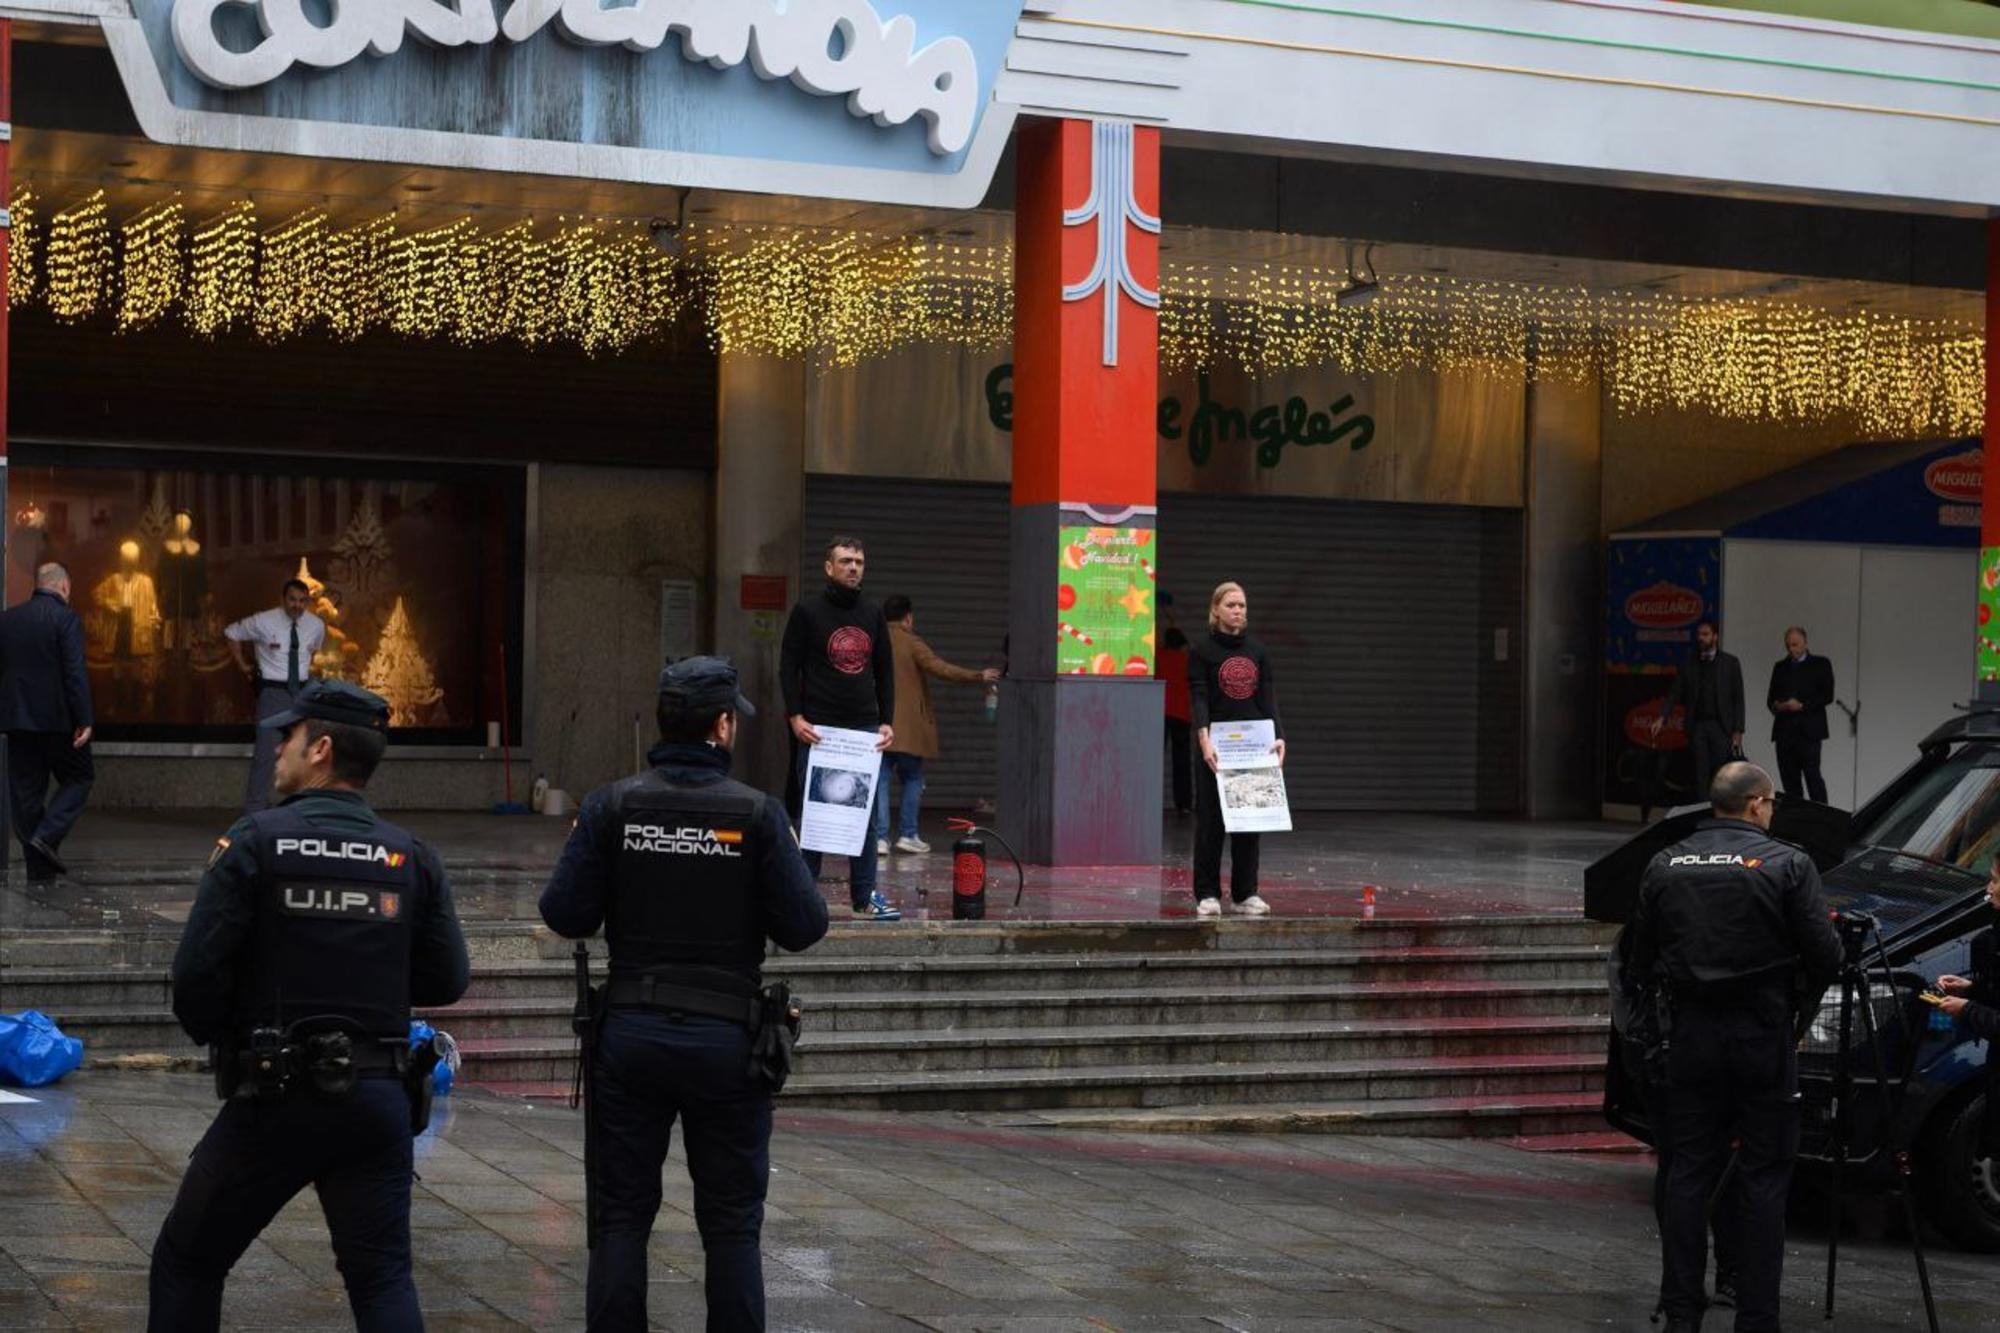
[1104, 601]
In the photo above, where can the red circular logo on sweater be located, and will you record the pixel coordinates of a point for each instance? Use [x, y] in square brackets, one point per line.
[1238, 676]
[849, 650]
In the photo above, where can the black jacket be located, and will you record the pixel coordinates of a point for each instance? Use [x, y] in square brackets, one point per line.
[578, 896]
[1810, 682]
[1981, 1018]
[1229, 680]
[835, 664]
[212, 960]
[1730, 911]
[43, 684]
[1728, 690]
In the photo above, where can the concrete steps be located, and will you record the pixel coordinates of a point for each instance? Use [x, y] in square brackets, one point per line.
[888, 1056]
[1464, 1025]
[1537, 1119]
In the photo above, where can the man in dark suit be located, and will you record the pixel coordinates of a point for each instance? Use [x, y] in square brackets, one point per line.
[1801, 688]
[1710, 689]
[45, 711]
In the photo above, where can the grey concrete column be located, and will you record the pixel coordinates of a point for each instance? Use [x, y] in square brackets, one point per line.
[759, 506]
[1563, 588]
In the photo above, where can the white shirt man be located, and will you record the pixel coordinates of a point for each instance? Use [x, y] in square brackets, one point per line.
[269, 634]
[283, 641]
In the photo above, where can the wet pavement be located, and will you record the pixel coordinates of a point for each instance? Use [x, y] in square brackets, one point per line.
[940, 1221]
[133, 870]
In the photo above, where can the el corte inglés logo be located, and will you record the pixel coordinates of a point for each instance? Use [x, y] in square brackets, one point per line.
[1664, 606]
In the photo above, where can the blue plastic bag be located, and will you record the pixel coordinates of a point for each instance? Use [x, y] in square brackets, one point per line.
[33, 1050]
[446, 1070]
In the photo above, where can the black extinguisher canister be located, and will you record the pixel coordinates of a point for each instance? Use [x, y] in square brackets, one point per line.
[968, 879]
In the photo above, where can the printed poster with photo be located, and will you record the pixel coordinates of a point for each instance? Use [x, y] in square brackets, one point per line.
[1249, 777]
[841, 776]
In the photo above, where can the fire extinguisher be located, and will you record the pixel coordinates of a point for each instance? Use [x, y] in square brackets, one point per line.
[968, 871]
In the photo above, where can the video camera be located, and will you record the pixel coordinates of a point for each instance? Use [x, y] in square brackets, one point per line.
[1854, 928]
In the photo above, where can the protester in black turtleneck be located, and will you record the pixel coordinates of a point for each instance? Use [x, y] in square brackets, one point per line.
[835, 663]
[837, 670]
[1229, 680]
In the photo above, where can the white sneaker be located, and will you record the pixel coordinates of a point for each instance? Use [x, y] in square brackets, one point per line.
[1254, 906]
[881, 846]
[1208, 907]
[914, 846]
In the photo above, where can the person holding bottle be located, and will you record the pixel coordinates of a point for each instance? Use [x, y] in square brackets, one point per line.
[915, 723]
[1229, 680]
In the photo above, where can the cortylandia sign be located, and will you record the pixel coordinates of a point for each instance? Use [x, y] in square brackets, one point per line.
[747, 94]
[833, 48]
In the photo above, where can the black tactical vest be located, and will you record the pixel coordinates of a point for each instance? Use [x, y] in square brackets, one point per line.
[684, 877]
[333, 925]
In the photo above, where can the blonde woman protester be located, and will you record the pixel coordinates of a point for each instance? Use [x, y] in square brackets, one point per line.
[1229, 680]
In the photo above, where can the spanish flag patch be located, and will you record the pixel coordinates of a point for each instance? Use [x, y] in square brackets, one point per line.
[221, 846]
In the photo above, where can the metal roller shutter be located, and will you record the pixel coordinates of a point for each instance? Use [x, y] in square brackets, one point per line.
[1381, 620]
[944, 546]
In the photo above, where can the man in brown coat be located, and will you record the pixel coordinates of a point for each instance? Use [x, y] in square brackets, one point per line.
[915, 727]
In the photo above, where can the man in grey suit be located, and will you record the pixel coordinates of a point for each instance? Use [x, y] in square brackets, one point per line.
[1710, 688]
[45, 711]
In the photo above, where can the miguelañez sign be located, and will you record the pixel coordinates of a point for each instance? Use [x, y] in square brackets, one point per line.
[487, 83]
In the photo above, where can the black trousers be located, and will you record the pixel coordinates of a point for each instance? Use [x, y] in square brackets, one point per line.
[1799, 757]
[1731, 1076]
[1208, 837]
[652, 1069]
[1722, 1206]
[1180, 742]
[1709, 744]
[33, 758]
[354, 1150]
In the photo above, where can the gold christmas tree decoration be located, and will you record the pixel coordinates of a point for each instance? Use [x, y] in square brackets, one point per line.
[363, 550]
[400, 674]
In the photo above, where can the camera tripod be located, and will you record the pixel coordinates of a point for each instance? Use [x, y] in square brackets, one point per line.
[1855, 929]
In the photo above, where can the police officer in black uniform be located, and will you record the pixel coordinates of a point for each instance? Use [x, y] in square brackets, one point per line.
[687, 872]
[316, 928]
[1732, 923]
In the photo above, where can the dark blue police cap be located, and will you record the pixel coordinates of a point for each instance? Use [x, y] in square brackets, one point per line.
[703, 684]
[333, 701]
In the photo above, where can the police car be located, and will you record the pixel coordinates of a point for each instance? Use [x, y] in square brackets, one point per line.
[1915, 859]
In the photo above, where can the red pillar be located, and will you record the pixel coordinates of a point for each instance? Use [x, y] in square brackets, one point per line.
[1083, 430]
[1081, 719]
[6, 191]
[1989, 518]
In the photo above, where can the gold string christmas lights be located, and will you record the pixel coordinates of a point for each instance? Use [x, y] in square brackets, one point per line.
[79, 259]
[152, 270]
[839, 298]
[24, 239]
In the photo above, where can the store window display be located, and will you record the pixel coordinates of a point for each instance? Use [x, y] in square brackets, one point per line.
[416, 571]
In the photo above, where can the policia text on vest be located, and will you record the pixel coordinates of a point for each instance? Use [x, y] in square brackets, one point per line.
[688, 874]
[316, 928]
